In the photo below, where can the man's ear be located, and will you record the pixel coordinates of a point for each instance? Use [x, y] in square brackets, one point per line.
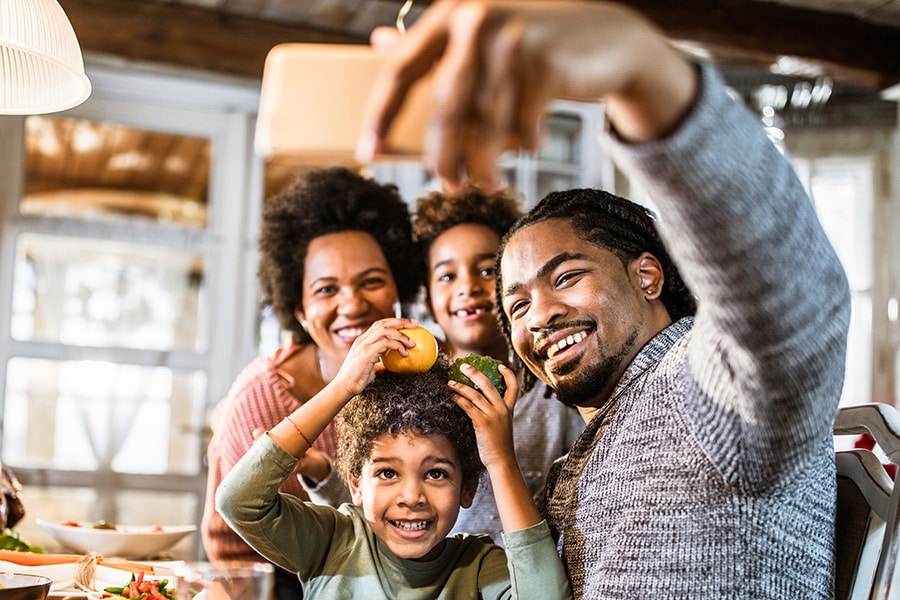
[649, 273]
[468, 494]
[355, 490]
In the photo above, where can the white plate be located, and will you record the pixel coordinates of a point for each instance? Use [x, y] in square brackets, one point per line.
[131, 542]
[63, 576]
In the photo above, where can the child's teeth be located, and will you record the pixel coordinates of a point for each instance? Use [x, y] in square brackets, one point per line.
[411, 526]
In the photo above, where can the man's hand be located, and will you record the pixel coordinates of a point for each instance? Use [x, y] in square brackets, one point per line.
[498, 64]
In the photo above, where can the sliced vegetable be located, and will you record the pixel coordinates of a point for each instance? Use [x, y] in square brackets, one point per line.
[138, 588]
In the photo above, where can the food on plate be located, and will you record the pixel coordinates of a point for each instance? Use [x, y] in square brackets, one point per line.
[421, 357]
[101, 524]
[129, 542]
[141, 589]
[485, 364]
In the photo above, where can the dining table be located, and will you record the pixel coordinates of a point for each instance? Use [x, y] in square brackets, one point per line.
[77, 576]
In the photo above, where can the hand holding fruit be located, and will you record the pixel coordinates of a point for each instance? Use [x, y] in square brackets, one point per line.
[418, 359]
[485, 364]
[358, 368]
[490, 412]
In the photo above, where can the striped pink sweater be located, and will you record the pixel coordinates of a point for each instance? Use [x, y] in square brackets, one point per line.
[258, 399]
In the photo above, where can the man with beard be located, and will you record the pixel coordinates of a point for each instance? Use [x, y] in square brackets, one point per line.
[707, 467]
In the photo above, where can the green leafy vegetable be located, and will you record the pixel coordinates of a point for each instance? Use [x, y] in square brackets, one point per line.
[11, 540]
[485, 364]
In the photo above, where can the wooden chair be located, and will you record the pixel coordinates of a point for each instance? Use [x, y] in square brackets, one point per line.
[868, 503]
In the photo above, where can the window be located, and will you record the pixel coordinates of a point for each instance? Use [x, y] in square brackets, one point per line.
[129, 240]
[842, 191]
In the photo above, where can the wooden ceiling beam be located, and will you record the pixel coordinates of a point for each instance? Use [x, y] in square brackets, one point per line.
[759, 33]
[747, 33]
[186, 36]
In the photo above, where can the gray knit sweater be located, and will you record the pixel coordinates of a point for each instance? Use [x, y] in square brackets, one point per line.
[710, 472]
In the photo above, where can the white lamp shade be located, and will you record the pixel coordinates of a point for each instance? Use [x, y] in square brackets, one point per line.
[41, 69]
[312, 99]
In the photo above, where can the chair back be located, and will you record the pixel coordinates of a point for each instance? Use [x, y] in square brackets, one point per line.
[866, 523]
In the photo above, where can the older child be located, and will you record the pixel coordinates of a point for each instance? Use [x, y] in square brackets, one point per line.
[458, 238]
[410, 455]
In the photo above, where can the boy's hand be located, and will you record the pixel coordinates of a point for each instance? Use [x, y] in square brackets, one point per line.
[492, 415]
[364, 357]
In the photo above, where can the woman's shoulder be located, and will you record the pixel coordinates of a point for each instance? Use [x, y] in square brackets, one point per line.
[289, 350]
[258, 385]
[260, 376]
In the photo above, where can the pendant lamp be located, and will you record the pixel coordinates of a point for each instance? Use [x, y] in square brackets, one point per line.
[41, 68]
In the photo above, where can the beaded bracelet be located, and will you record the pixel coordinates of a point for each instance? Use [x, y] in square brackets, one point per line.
[297, 429]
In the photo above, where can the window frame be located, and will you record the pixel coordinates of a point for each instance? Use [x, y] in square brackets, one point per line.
[879, 148]
[222, 110]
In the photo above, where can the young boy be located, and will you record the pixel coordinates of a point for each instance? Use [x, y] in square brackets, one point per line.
[409, 450]
[458, 238]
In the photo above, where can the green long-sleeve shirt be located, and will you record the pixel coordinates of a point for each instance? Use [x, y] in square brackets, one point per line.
[336, 555]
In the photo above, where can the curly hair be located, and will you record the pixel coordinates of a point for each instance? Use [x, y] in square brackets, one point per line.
[327, 201]
[437, 212]
[608, 221]
[398, 404]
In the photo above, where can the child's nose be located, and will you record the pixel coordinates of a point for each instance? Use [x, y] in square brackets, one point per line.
[469, 284]
[412, 493]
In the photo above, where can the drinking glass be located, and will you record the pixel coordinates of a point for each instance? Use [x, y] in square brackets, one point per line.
[236, 580]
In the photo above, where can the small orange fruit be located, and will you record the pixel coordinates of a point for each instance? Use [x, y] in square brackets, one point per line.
[421, 357]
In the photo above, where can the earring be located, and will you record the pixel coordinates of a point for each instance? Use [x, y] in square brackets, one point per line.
[305, 325]
[649, 291]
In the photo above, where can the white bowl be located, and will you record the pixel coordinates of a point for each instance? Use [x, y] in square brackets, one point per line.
[125, 541]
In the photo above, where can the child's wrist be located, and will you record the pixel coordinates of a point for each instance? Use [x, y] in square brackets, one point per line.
[503, 465]
[340, 390]
[299, 432]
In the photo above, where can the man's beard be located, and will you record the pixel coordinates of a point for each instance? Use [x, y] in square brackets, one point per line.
[580, 389]
[583, 387]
